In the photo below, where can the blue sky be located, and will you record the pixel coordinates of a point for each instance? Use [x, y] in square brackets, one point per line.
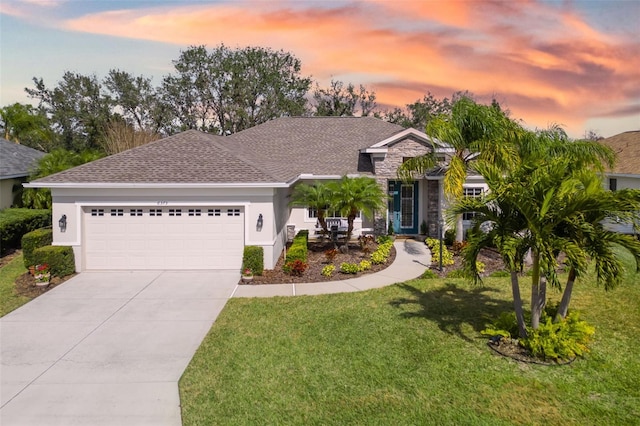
[572, 63]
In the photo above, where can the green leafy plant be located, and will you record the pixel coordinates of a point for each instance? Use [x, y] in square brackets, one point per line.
[500, 274]
[33, 240]
[505, 325]
[458, 246]
[390, 230]
[297, 251]
[382, 253]
[14, 223]
[328, 270]
[428, 275]
[447, 256]
[364, 265]
[456, 273]
[561, 340]
[253, 259]
[349, 268]
[384, 239]
[423, 228]
[480, 267]
[60, 259]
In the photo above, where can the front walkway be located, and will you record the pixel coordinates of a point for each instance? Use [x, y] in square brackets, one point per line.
[412, 258]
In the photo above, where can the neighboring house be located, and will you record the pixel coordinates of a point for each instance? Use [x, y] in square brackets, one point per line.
[16, 163]
[194, 200]
[626, 173]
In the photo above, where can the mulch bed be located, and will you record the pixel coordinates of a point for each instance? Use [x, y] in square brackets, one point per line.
[511, 349]
[26, 285]
[317, 260]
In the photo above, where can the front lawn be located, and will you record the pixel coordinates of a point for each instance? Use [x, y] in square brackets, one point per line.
[408, 354]
[9, 300]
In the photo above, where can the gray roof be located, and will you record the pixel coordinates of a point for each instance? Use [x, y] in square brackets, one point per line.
[274, 152]
[17, 160]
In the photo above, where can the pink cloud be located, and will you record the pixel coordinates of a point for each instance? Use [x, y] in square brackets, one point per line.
[547, 63]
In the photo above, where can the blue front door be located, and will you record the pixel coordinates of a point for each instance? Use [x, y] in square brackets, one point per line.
[403, 207]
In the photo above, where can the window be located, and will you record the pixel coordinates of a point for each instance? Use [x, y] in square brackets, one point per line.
[117, 212]
[613, 184]
[233, 212]
[175, 212]
[474, 192]
[313, 213]
[135, 212]
[155, 212]
[213, 212]
[97, 212]
[195, 212]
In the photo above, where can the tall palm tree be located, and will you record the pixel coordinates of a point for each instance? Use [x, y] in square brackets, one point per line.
[474, 132]
[353, 195]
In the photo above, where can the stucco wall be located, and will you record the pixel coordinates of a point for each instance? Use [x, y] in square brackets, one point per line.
[70, 202]
[6, 192]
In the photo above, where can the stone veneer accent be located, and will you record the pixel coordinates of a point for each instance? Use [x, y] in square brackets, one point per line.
[386, 169]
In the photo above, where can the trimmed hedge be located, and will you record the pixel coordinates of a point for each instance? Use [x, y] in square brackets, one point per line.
[59, 258]
[33, 240]
[298, 249]
[253, 258]
[14, 223]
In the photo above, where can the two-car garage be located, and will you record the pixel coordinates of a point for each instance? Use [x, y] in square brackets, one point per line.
[162, 237]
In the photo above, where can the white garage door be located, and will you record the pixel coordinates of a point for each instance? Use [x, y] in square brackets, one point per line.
[163, 238]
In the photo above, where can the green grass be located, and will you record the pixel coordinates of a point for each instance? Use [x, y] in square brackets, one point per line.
[405, 355]
[9, 300]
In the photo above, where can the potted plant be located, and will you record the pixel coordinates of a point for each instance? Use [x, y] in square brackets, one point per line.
[42, 275]
[247, 275]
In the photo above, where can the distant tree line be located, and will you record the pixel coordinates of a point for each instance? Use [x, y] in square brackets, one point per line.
[219, 90]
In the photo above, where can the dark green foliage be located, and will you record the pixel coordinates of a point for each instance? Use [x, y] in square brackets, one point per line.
[449, 237]
[298, 249]
[14, 223]
[253, 258]
[505, 325]
[423, 228]
[383, 239]
[33, 240]
[390, 230]
[59, 258]
[562, 340]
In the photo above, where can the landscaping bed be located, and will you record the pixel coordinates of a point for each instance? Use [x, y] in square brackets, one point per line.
[318, 260]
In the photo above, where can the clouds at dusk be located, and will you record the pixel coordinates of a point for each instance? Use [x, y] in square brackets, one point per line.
[547, 62]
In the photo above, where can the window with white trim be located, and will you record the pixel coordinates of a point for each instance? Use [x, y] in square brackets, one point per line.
[312, 213]
[474, 192]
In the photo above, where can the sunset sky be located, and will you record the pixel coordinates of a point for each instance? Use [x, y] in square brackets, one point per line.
[575, 63]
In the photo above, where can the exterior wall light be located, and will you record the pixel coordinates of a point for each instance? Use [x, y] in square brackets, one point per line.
[62, 223]
[259, 223]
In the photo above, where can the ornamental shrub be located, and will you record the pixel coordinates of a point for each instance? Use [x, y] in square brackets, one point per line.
[14, 223]
[505, 325]
[456, 273]
[561, 340]
[33, 240]
[349, 268]
[59, 258]
[447, 256]
[295, 267]
[298, 250]
[364, 265]
[328, 270]
[382, 253]
[253, 258]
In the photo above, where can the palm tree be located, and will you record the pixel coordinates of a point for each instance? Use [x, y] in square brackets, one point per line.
[315, 196]
[350, 196]
[474, 132]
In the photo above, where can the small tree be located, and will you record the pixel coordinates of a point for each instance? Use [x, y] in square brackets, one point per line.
[316, 196]
[350, 196]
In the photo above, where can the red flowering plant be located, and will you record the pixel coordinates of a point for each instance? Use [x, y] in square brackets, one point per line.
[247, 272]
[42, 273]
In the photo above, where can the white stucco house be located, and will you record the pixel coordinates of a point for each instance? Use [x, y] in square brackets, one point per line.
[16, 163]
[194, 200]
[626, 173]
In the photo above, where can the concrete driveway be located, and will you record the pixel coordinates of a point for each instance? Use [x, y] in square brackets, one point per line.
[107, 348]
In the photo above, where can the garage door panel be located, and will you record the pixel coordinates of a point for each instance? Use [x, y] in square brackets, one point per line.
[153, 238]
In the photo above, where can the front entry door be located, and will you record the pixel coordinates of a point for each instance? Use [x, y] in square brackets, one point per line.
[403, 206]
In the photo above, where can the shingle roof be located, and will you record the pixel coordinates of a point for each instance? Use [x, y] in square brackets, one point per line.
[16, 160]
[273, 152]
[627, 148]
